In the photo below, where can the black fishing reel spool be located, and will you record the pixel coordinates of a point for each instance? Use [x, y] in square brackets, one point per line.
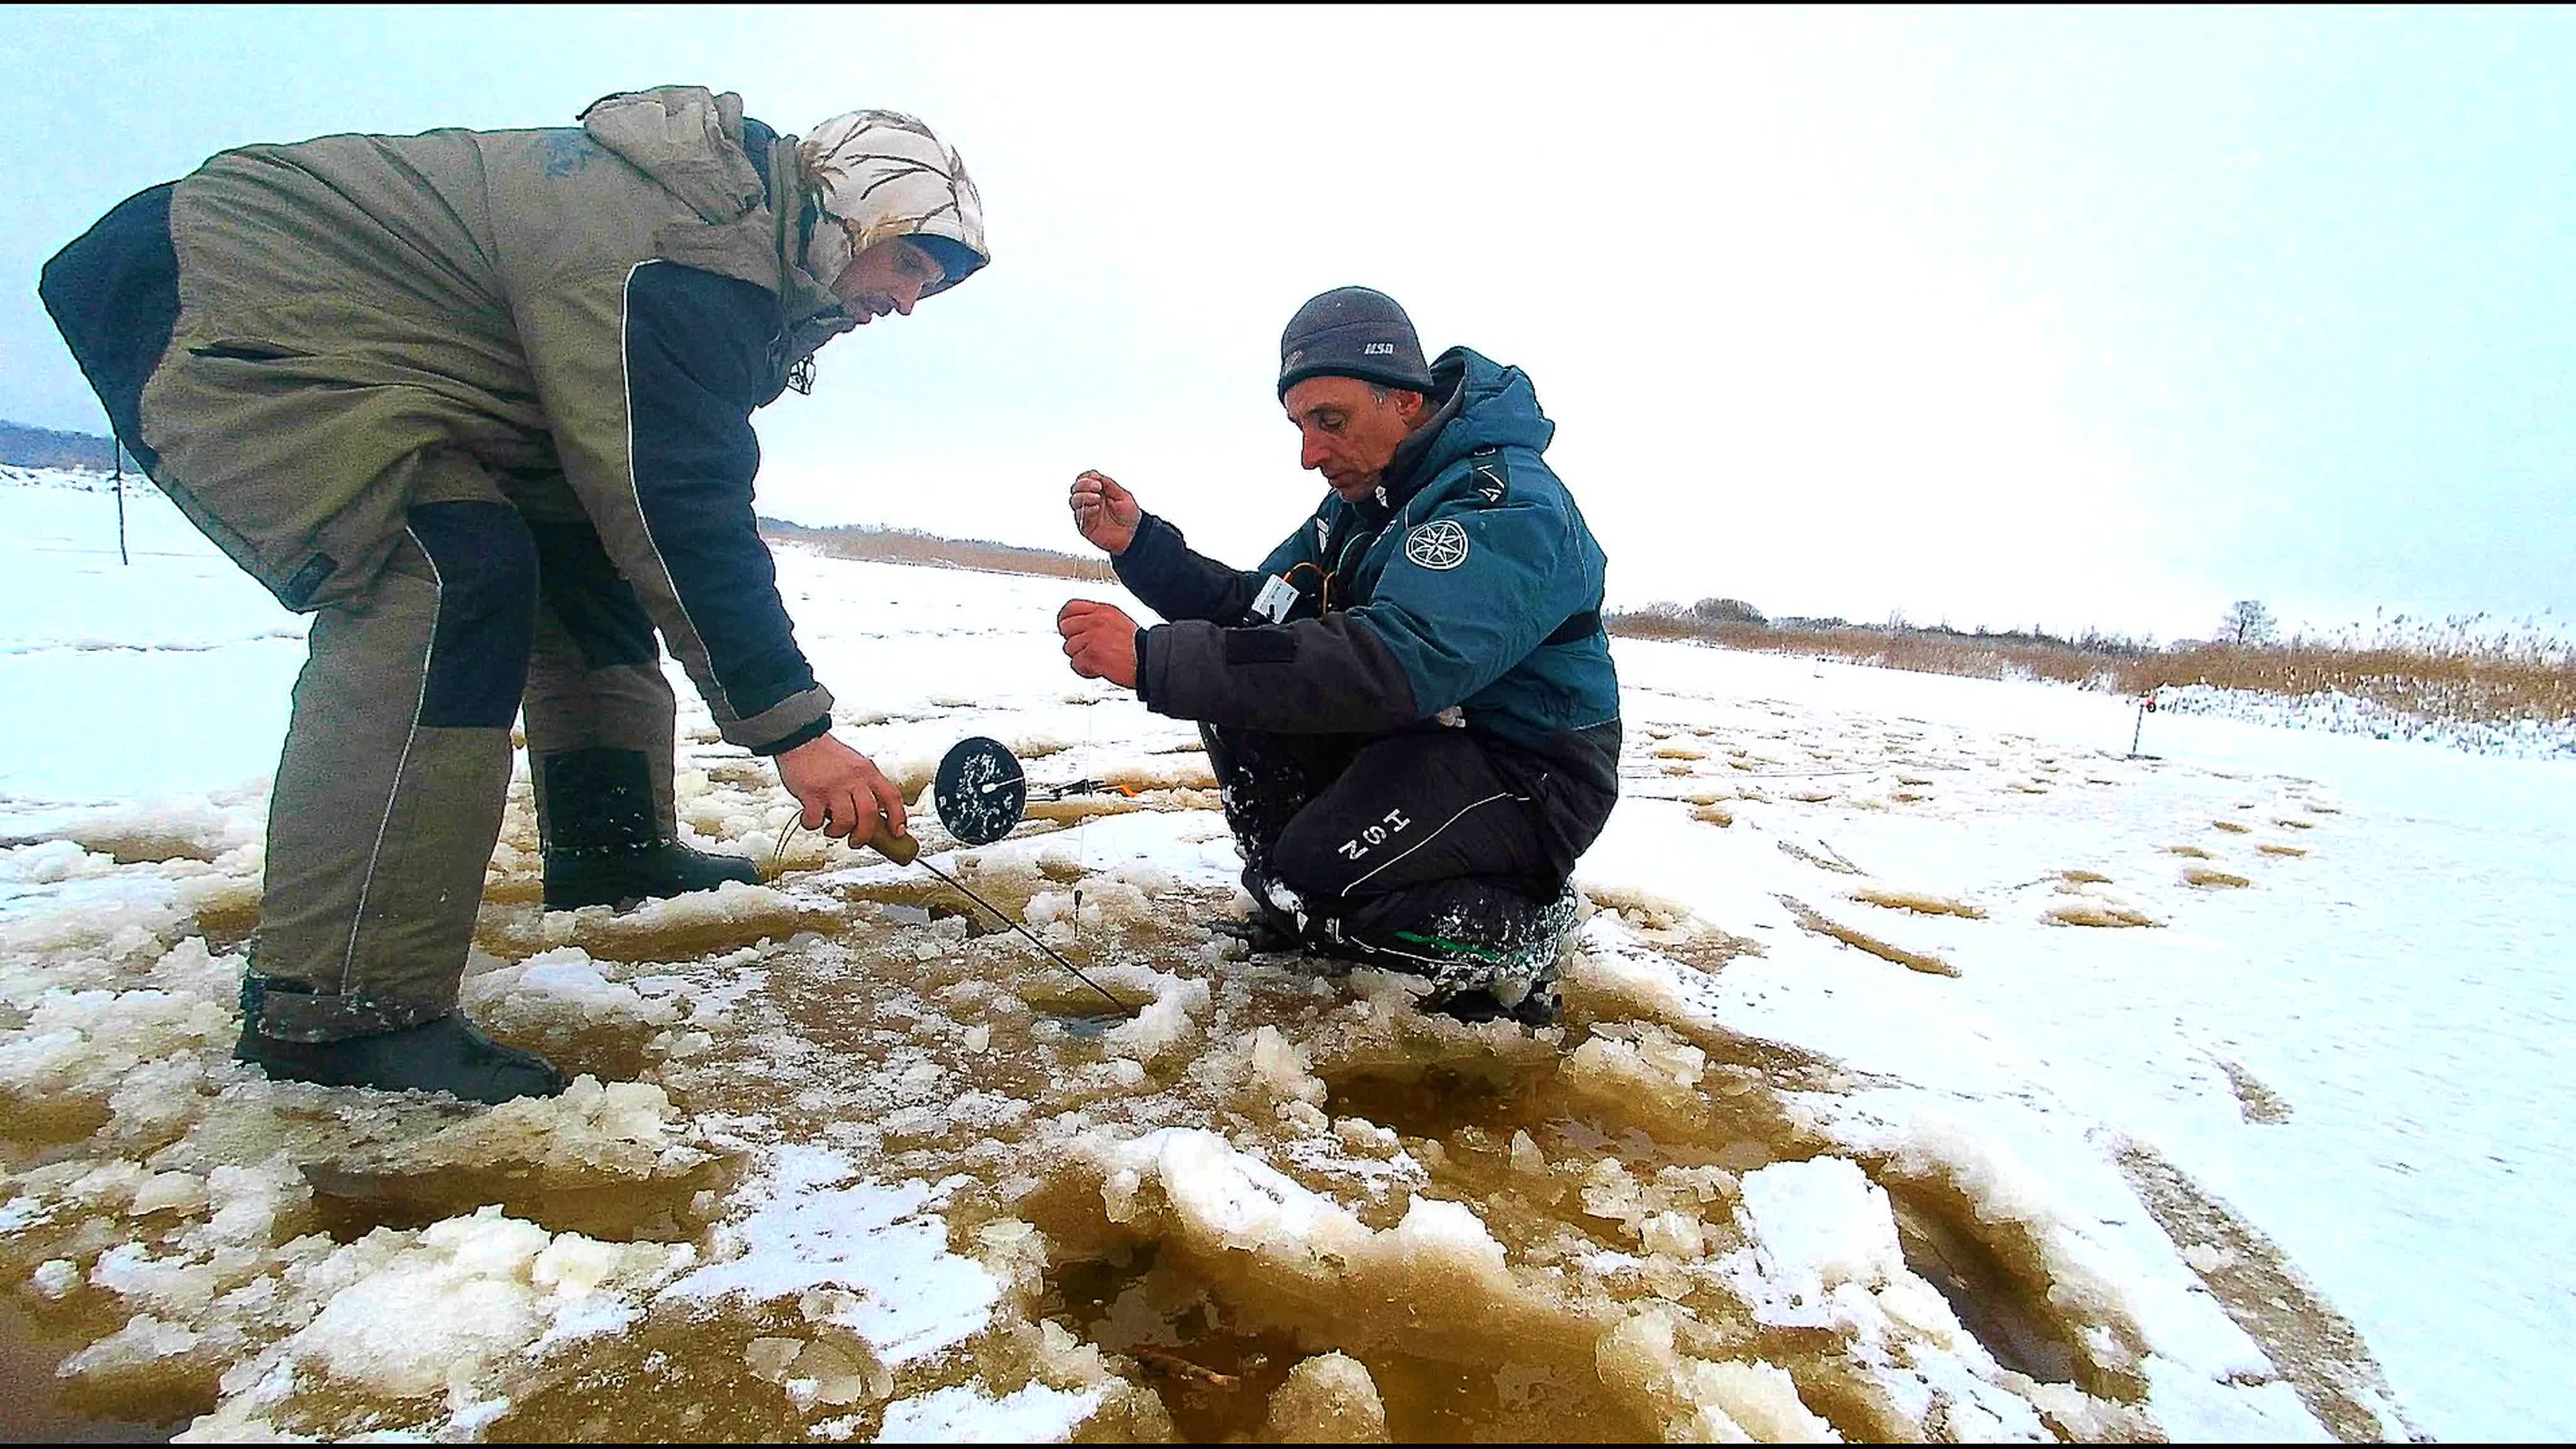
[980, 791]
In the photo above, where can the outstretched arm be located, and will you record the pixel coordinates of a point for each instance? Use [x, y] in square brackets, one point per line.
[649, 376]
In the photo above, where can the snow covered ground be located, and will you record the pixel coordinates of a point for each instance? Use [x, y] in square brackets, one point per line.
[1931, 1067]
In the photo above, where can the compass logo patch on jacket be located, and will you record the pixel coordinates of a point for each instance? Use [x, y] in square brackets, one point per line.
[1439, 544]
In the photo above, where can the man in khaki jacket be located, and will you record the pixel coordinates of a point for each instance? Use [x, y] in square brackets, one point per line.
[480, 402]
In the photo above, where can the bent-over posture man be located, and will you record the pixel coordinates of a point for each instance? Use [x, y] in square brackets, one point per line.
[1410, 705]
[481, 403]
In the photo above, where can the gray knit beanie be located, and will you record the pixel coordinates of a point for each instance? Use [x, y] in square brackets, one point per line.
[1352, 332]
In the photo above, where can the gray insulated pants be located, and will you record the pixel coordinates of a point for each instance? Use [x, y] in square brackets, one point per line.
[490, 587]
[397, 760]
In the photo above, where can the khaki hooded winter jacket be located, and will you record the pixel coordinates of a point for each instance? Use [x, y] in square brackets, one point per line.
[587, 316]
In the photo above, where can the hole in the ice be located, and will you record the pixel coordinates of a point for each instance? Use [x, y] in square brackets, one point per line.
[122, 1408]
[1214, 1380]
[227, 927]
[1216, 1357]
[1987, 1295]
[1086, 1025]
[45, 1129]
[658, 932]
[679, 1376]
[145, 848]
[1433, 1103]
[349, 1204]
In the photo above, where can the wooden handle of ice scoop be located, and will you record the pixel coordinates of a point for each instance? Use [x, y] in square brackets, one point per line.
[901, 849]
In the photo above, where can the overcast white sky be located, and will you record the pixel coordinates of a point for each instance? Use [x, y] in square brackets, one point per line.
[2069, 318]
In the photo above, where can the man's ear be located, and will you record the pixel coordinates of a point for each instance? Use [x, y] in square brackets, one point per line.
[1410, 406]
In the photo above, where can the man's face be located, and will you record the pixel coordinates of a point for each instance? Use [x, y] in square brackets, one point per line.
[887, 277]
[1350, 433]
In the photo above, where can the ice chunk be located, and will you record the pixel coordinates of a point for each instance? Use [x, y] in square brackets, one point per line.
[1328, 1399]
[1674, 1234]
[843, 1372]
[174, 1284]
[55, 1278]
[770, 1358]
[1821, 1223]
[1118, 1194]
[1657, 1066]
[1704, 1401]
[1280, 1067]
[1166, 1022]
[575, 1266]
[1441, 1240]
[2206, 1258]
[1226, 1201]
[1034, 1414]
[619, 1127]
[166, 1191]
[561, 991]
[141, 1343]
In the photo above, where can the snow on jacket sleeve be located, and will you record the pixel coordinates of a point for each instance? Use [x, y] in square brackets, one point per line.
[1431, 635]
[649, 378]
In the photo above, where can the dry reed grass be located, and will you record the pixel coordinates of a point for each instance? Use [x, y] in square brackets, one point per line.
[2457, 677]
[905, 546]
[2450, 672]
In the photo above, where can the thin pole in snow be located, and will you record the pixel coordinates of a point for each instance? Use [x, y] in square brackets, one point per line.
[116, 456]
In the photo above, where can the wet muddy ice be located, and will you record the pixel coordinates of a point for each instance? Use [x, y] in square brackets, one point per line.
[1272, 1186]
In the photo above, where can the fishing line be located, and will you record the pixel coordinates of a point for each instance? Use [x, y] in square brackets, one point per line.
[904, 850]
[981, 794]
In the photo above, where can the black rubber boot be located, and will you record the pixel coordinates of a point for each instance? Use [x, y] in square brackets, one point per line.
[1488, 950]
[443, 1055]
[602, 836]
[1540, 1007]
[1260, 935]
[575, 879]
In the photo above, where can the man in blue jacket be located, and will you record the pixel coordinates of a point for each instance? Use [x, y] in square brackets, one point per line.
[1410, 705]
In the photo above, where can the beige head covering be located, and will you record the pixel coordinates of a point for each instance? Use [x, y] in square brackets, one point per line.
[880, 174]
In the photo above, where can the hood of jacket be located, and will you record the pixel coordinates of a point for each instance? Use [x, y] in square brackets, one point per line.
[1486, 405]
[688, 139]
[879, 174]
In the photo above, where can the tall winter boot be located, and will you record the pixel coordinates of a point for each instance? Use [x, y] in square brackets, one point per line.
[603, 840]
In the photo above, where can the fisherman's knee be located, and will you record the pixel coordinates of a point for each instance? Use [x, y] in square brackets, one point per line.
[1311, 858]
[486, 565]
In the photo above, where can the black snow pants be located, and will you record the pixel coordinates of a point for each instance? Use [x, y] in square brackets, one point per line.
[1425, 851]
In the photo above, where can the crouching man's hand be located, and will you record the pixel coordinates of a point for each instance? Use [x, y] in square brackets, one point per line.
[843, 792]
[1104, 512]
[1100, 640]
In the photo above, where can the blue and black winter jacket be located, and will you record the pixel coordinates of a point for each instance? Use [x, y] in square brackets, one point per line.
[1469, 581]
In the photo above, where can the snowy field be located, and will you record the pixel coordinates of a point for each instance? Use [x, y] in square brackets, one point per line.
[1931, 1067]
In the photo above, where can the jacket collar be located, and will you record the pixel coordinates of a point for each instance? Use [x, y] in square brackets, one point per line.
[1406, 474]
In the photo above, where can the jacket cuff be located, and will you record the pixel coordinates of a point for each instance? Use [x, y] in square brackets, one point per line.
[1143, 674]
[815, 731]
[762, 733]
